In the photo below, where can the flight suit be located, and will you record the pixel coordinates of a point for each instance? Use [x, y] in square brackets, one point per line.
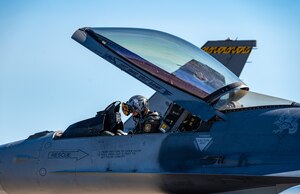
[149, 124]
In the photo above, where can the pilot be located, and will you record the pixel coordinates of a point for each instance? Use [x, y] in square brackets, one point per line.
[145, 120]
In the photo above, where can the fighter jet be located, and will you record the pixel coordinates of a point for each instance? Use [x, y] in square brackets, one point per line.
[216, 135]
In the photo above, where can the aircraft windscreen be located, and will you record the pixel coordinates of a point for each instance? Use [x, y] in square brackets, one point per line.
[170, 58]
[249, 99]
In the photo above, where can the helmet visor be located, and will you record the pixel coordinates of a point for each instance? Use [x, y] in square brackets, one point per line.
[126, 109]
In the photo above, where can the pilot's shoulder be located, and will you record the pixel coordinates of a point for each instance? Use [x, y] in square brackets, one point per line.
[152, 122]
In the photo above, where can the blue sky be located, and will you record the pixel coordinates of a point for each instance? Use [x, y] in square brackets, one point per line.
[48, 81]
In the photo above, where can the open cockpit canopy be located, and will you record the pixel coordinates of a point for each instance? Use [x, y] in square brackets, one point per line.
[170, 65]
[170, 58]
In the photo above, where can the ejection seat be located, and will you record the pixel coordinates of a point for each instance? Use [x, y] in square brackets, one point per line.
[106, 123]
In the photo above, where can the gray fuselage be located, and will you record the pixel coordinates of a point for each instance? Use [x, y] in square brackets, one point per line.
[251, 148]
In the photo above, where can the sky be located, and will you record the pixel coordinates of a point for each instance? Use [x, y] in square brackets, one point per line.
[48, 81]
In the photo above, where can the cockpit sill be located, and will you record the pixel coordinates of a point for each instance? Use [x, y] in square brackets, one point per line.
[59, 134]
[207, 125]
[292, 105]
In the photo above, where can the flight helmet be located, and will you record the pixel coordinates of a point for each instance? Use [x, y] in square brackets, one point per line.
[136, 103]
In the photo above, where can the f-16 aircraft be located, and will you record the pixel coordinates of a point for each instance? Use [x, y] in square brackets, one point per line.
[216, 135]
